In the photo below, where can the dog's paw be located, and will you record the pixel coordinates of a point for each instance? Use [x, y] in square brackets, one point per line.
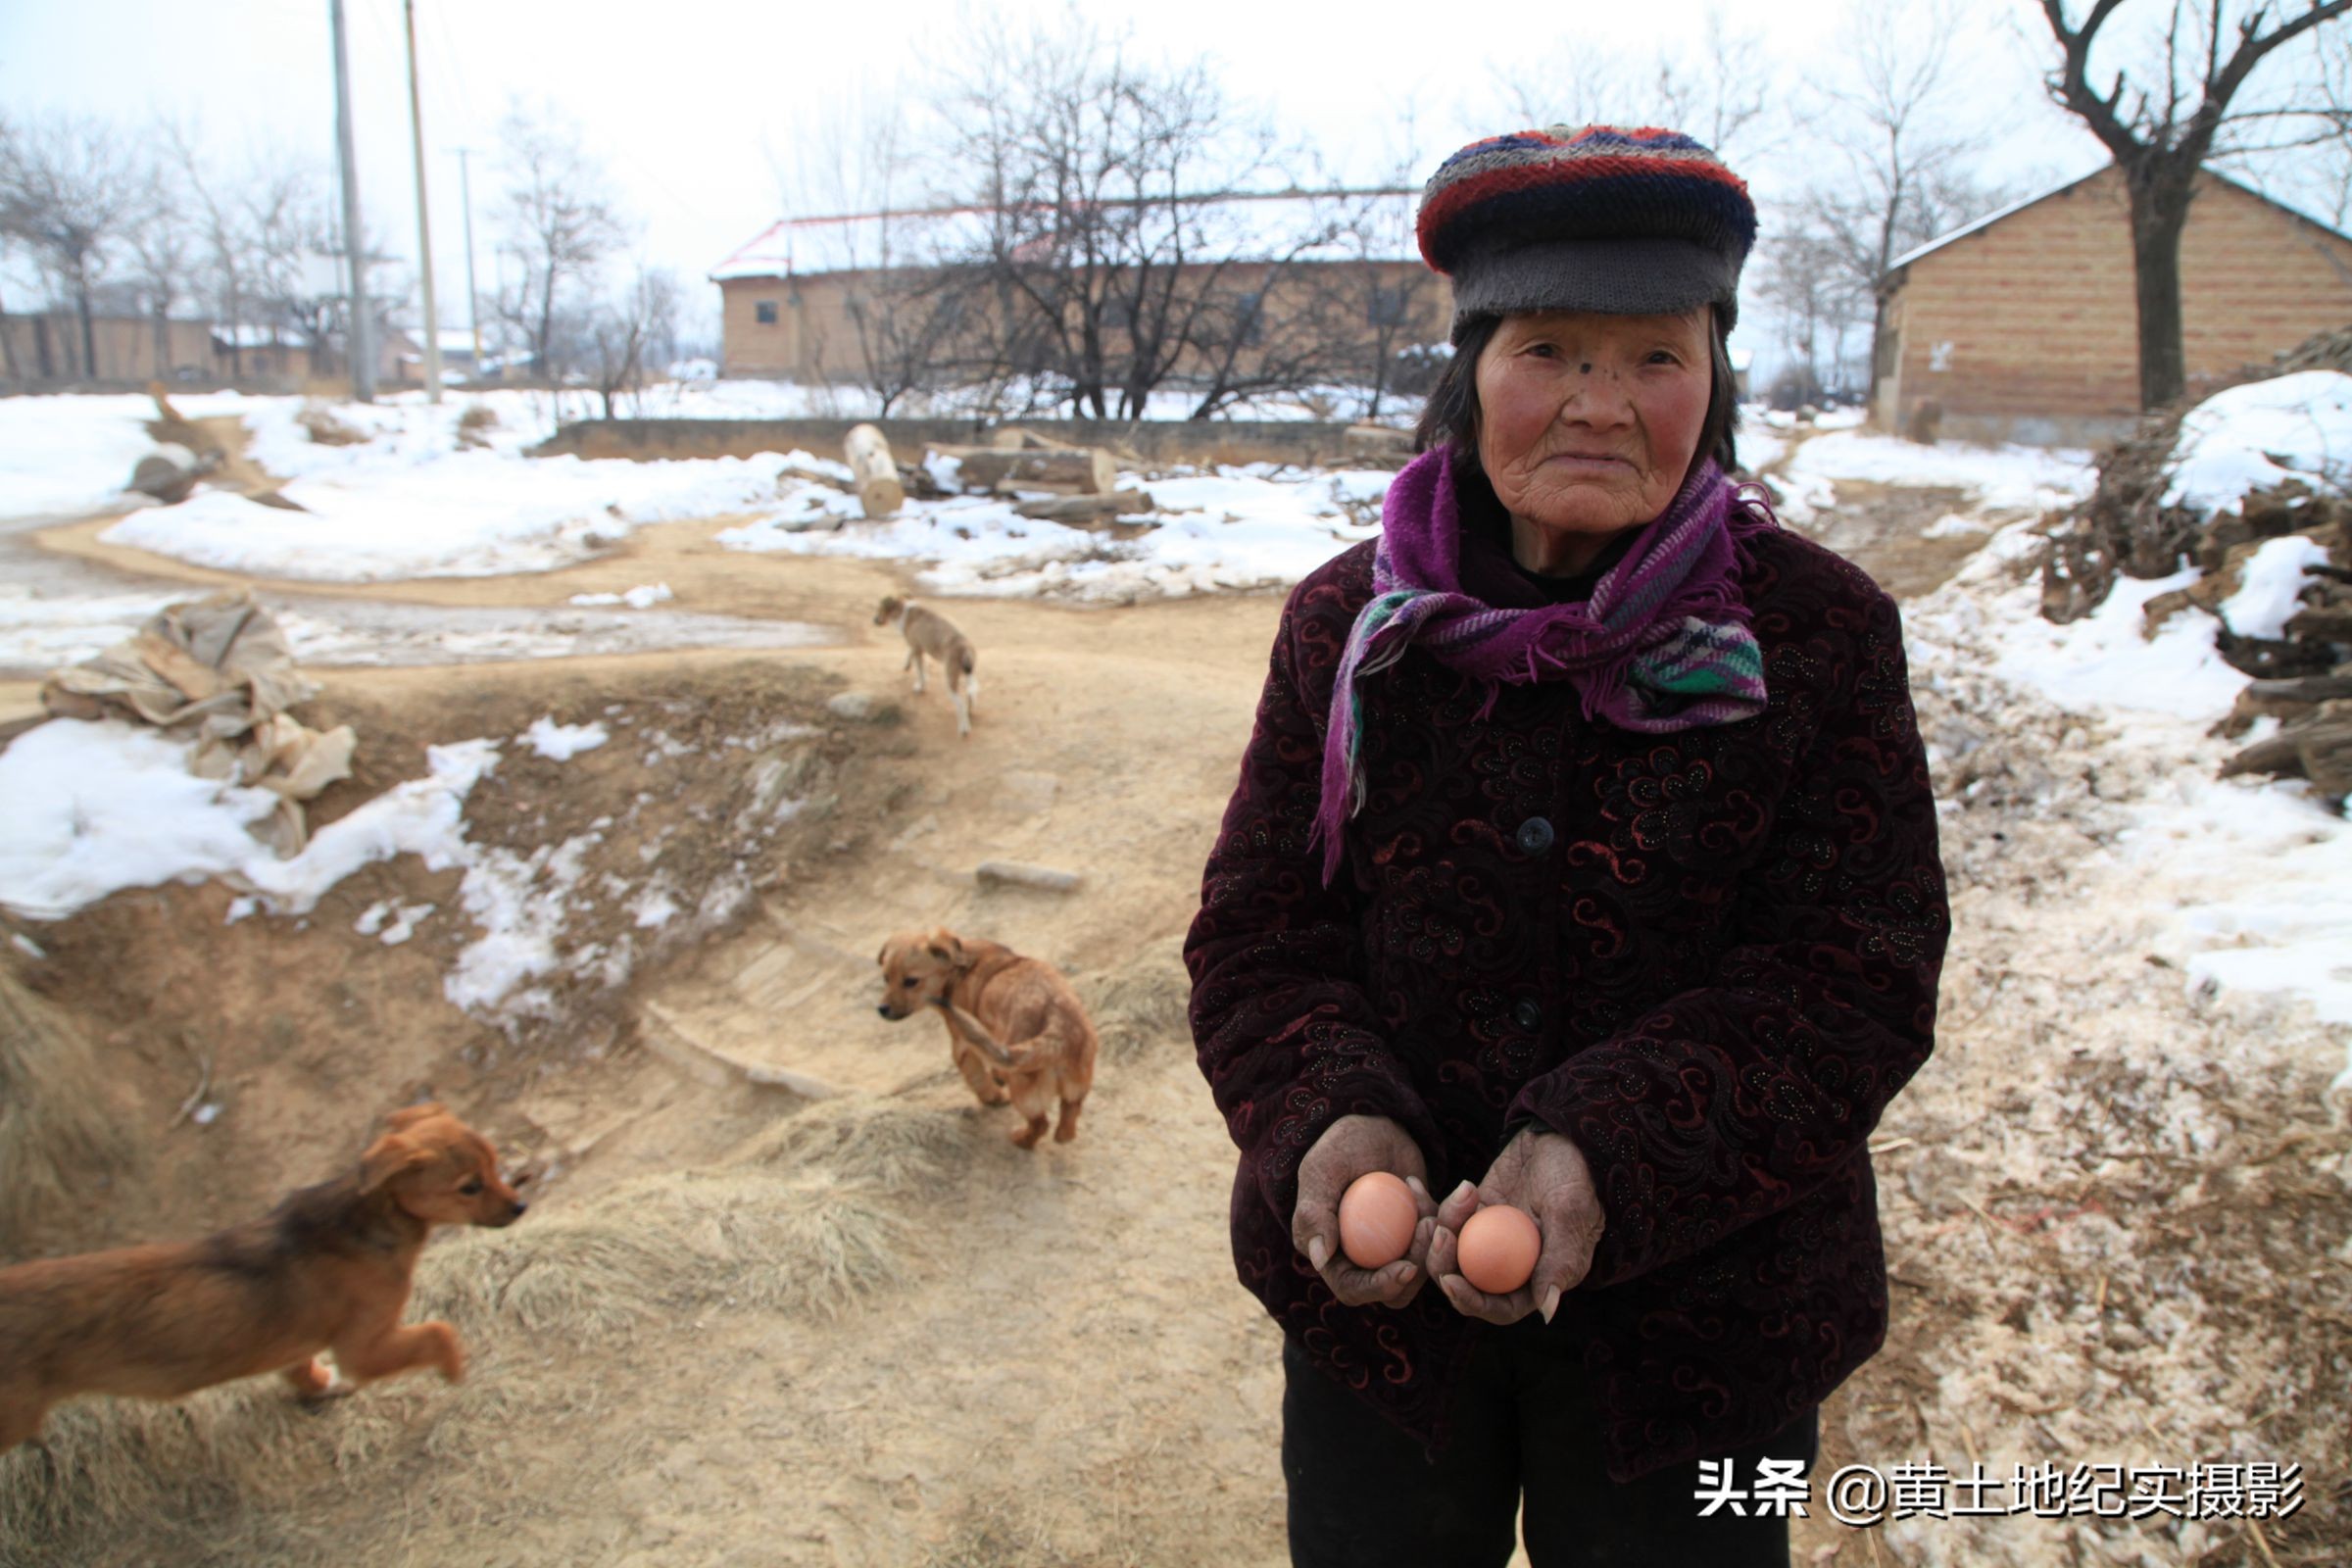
[315, 1401]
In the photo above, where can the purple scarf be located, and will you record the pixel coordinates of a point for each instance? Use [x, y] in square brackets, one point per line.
[1663, 643]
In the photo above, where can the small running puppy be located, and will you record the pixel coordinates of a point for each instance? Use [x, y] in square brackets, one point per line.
[927, 631]
[1018, 1030]
[329, 1269]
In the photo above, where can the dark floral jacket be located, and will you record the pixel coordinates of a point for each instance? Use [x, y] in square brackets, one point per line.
[1707, 956]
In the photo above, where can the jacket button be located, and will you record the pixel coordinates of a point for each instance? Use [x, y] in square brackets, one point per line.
[1534, 835]
[1529, 1013]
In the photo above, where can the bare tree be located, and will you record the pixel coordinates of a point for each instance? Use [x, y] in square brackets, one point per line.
[1906, 177]
[1822, 302]
[2164, 127]
[1109, 239]
[162, 246]
[2332, 102]
[1386, 311]
[914, 326]
[10, 187]
[630, 334]
[1719, 91]
[561, 225]
[73, 186]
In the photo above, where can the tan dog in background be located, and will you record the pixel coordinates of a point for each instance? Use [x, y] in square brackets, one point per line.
[329, 1269]
[927, 631]
[1018, 1030]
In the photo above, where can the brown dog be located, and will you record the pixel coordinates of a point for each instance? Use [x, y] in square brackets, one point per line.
[1015, 1025]
[329, 1269]
[927, 631]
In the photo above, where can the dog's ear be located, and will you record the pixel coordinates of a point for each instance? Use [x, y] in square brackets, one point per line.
[947, 948]
[883, 957]
[409, 1115]
[388, 1156]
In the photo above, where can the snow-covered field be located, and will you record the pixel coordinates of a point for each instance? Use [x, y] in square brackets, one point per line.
[2242, 884]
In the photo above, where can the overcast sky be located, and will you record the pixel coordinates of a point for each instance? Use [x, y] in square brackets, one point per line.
[691, 104]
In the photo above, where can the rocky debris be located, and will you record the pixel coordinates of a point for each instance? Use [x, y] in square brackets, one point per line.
[2322, 351]
[475, 426]
[2316, 745]
[322, 427]
[2126, 527]
[2303, 680]
[168, 473]
[855, 706]
[2123, 528]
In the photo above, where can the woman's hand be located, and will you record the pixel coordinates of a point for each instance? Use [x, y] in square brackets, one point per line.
[1545, 1175]
[1349, 1148]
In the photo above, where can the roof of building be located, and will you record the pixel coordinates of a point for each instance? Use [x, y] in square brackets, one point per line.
[1352, 225]
[2015, 207]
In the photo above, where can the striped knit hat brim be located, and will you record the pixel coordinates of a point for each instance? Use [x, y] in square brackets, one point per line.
[1602, 219]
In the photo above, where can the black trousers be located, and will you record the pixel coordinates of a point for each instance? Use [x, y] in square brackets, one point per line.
[1526, 1434]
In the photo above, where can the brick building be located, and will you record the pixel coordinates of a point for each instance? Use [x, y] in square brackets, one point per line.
[792, 298]
[45, 349]
[2024, 326]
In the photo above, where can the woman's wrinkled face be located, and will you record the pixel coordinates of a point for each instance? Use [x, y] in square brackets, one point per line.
[1587, 423]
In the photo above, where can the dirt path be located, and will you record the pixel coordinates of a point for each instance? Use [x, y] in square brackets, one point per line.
[1044, 1358]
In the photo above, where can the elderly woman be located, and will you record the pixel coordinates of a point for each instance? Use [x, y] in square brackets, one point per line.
[1583, 860]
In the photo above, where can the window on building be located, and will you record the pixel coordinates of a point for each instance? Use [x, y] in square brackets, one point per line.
[1250, 314]
[1388, 305]
[765, 312]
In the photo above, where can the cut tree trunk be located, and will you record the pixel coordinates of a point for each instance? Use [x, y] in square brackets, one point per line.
[878, 489]
[1086, 511]
[1077, 470]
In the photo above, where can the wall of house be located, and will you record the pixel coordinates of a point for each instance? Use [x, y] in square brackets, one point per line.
[1305, 442]
[47, 346]
[45, 349]
[816, 337]
[2027, 331]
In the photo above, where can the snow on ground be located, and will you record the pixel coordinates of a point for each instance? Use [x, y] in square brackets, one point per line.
[2274, 576]
[2257, 911]
[39, 633]
[1259, 526]
[66, 456]
[561, 743]
[409, 501]
[2006, 478]
[2261, 434]
[391, 514]
[644, 596]
[2241, 884]
[95, 808]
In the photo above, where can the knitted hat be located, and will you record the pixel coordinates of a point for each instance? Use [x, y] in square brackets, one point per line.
[1631, 223]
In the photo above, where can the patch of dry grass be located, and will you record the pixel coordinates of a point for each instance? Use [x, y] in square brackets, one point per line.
[882, 1142]
[58, 1126]
[1140, 1008]
[474, 424]
[800, 1241]
[325, 428]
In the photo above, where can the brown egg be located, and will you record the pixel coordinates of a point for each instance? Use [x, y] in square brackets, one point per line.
[1377, 1216]
[1498, 1248]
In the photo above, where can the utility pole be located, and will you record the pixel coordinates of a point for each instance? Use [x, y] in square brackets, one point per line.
[474, 296]
[360, 339]
[424, 224]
